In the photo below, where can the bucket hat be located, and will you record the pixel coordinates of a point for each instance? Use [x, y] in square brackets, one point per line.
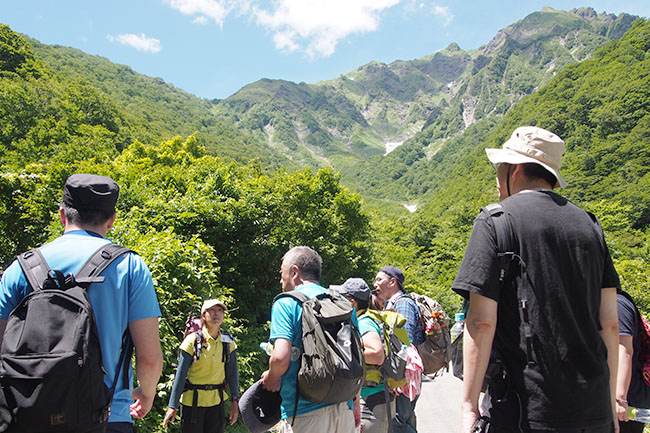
[531, 144]
[260, 408]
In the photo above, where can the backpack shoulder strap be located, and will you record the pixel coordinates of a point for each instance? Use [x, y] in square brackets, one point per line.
[298, 296]
[505, 237]
[508, 254]
[99, 261]
[34, 267]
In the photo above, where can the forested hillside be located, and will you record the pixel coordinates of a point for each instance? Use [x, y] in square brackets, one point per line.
[149, 109]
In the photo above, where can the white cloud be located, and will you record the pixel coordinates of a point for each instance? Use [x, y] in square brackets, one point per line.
[217, 10]
[140, 42]
[312, 26]
[444, 12]
[319, 25]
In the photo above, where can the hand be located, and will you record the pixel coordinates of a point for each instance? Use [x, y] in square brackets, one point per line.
[270, 383]
[621, 411]
[469, 419]
[142, 405]
[234, 411]
[169, 415]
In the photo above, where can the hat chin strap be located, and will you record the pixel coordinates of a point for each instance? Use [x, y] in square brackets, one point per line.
[508, 180]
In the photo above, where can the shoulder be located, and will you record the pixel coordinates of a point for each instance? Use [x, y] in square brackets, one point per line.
[406, 300]
[367, 324]
[188, 343]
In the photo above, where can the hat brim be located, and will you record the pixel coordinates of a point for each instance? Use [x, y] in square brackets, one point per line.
[209, 304]
[499, 156]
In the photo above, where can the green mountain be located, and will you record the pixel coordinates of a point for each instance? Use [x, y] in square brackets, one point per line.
[349, 122]
[378, 107]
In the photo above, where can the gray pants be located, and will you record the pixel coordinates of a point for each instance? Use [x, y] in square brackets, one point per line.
[374, 415]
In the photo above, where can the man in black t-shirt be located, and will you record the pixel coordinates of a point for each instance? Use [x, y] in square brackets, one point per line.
[557, 373]
[631, 389]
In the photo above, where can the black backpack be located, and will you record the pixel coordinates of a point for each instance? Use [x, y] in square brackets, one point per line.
[51, 370]
[331, 365]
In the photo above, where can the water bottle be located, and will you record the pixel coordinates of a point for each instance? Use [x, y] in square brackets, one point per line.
[458, 327]
[268, 348]
[638, 414]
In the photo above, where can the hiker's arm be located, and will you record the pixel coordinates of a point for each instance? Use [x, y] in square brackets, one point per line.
[184, 362]
[232, 377]
[625, 354]
[3, 325]
[609, 333]
[148, 363]
[477, 345]
[373, 349]
[278, 364]
[232, 374]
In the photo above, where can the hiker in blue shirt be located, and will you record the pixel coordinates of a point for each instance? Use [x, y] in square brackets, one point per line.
[300, 270]
[126, 299]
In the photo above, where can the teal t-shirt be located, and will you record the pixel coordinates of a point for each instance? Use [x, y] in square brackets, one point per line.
[286, 322]
[367, 324]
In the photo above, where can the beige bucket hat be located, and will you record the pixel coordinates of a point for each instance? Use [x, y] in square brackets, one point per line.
[532, 144]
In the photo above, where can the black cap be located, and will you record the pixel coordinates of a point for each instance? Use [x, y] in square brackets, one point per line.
[394, 272]
[90, 191]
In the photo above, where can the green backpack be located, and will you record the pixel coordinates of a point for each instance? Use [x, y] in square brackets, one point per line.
[394, 337]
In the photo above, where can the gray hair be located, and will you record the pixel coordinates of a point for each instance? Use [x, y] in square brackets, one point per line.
[306, 259]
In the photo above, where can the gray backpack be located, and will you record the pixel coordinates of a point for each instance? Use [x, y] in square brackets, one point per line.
[331, 365]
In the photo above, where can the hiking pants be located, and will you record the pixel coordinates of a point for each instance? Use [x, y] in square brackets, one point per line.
[404, 421]
[207, 419]
[608, 428]
[631, 427]
[336, 418]
[374, 415]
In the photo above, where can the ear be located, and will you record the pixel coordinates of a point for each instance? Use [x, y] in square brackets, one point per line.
[111, 221]
[517, 169]
[294, 273]
[62, 216]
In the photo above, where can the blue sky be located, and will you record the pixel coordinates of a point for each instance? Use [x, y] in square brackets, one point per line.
[212, 48]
